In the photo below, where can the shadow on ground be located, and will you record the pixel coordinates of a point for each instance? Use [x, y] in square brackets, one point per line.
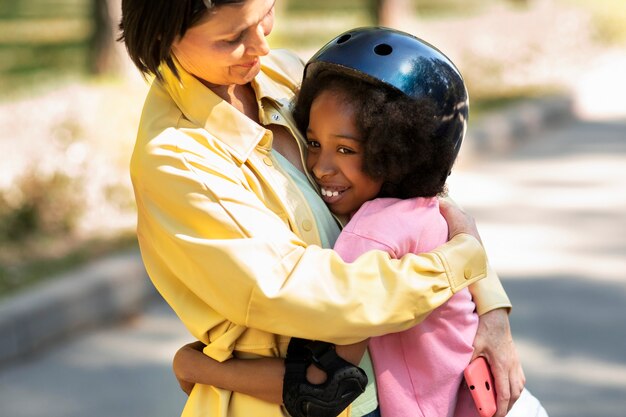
[570, 331]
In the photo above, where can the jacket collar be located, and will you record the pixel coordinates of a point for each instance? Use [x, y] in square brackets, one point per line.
[203, 108]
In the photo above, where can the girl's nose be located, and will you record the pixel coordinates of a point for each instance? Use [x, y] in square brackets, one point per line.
[323, 167]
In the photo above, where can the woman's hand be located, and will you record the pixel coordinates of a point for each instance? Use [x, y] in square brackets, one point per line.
[458, 220]
[494, 342]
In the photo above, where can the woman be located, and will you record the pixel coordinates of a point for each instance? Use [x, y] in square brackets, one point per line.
[230, 227]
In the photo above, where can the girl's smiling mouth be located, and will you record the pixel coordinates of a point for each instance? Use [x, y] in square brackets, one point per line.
[331, 194]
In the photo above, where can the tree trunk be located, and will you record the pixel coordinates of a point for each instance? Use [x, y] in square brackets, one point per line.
[393, 13]
[105, 52]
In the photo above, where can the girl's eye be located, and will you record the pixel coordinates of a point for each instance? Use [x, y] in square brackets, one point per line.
[346, 151]
[312, 144]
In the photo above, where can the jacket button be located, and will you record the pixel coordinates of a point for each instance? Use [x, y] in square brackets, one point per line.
[467, 273]
[267, 161]
[307, 225]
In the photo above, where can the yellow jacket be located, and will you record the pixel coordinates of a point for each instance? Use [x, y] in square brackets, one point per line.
[230, 243]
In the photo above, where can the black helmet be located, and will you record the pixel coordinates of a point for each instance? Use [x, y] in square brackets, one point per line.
[406, 63]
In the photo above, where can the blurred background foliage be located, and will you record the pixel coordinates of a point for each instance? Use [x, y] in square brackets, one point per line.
[70, 100]
[43, 39]
[46, 39]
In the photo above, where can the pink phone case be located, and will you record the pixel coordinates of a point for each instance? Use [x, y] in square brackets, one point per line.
[480, 383]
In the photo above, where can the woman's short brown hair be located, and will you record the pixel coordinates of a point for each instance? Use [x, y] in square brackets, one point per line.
[150, 27]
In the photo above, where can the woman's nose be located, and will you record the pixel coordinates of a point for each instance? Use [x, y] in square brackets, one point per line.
[258, 45]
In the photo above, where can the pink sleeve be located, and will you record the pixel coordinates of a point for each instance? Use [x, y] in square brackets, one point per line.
[394, 226]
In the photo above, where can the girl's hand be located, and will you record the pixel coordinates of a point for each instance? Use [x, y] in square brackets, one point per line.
[494, 342]
[458, 220]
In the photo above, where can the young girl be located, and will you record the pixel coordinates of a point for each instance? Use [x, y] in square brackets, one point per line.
[381, 153]
[384, 115]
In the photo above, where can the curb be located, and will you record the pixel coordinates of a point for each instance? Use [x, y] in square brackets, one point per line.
[118, 286]
[501, 131]
[101, 292]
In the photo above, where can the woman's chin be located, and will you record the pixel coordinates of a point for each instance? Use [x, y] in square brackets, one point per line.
[245, 74]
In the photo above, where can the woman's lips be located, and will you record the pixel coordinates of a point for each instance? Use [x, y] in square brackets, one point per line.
[249, 64]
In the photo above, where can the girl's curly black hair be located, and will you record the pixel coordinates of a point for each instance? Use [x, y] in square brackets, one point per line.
[401, 145]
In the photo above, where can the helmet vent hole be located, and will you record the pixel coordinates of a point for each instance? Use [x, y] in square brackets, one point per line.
[383, 49]
[343, 38]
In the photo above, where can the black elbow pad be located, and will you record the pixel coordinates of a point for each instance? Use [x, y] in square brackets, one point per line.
[344, 382]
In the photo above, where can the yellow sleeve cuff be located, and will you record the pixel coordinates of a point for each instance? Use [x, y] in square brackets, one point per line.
[464, 261]
[489, 294]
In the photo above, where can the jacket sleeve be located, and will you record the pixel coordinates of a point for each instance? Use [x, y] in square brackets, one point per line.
[488, 294]
[210, 243]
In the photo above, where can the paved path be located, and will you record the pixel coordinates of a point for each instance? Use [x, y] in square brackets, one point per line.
[553, 217]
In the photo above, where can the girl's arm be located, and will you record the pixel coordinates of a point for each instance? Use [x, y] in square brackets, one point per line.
[261, 378]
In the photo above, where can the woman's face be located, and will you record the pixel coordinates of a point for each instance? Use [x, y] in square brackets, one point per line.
[224, 47]
[335, 155]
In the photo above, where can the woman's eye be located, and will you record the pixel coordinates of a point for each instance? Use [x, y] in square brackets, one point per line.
[239, 38]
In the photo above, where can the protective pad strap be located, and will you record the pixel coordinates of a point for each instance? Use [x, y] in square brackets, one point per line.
[344, 382]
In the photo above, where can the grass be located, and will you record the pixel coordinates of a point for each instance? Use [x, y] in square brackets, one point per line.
[480, 107]
[484, 102]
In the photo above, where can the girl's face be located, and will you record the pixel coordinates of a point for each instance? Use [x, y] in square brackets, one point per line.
[335, 155]
[224, 47]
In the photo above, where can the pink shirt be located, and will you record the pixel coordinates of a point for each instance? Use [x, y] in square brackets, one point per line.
[418, 371]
